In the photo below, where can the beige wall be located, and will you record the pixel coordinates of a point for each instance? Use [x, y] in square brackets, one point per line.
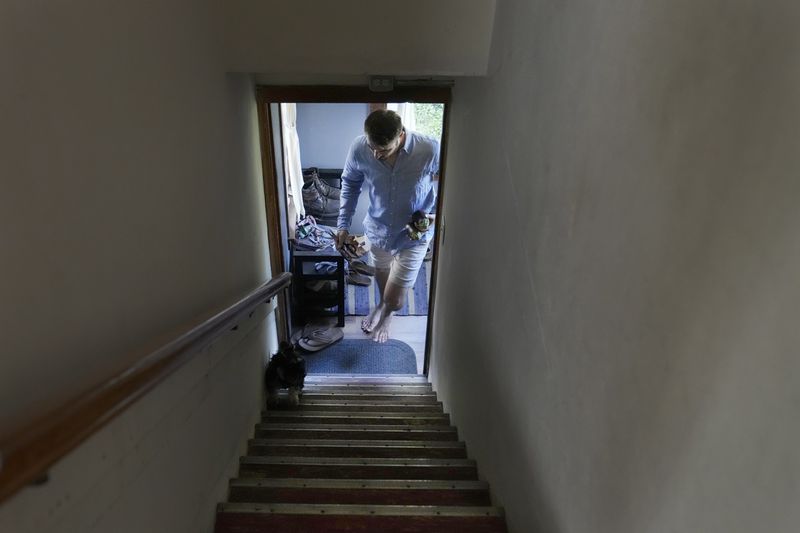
[130, 202]
[164, 464]
[619, 348]
[357, 37]
[131, 195]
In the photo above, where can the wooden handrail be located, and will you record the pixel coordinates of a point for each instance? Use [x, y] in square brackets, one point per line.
[27, 454]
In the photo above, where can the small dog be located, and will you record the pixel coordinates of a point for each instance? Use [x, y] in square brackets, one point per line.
[285, 370]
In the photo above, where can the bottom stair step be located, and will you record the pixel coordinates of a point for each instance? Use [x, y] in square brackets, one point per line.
[285, 518]
[360, 491]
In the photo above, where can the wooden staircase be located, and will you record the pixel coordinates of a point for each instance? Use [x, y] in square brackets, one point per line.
[360, 454]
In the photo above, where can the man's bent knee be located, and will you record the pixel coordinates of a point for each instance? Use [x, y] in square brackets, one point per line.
[393, 296]
[394, 304]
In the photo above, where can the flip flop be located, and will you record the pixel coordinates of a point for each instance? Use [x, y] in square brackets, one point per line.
[321, 339]
[311, 327]
[325, 336]
[318, 325]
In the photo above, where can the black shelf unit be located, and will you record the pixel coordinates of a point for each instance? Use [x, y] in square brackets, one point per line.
[308, 303]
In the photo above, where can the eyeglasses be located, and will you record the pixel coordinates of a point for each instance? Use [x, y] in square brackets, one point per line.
[384, 150]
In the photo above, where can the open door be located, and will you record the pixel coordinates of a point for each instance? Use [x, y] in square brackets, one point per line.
[326, 120]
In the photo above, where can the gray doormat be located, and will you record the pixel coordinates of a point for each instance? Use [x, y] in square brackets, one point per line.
[363, 356]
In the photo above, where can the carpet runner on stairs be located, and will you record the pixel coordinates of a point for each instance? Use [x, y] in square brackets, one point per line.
[362, 453]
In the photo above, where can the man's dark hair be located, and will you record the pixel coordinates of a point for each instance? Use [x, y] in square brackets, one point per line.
[382, 127]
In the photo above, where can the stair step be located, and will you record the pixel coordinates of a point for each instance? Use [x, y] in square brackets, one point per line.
[419, 390]
[360, 454]
[284, 518]
[355, 432]
[360, 406]
[344, 417]
[361, 448]
[349, 396]
[357, 468]
[360, 491]
[371, 379]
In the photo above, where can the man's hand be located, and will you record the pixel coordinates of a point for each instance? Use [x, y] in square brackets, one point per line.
[341, 238]
[347, 245]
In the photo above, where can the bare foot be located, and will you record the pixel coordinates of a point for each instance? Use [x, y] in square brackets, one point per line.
[371, 321]
[381, 332]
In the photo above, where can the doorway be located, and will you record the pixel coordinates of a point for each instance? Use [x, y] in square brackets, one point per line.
[320, 123]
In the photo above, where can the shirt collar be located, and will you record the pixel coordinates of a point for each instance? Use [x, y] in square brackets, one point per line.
[409, 144]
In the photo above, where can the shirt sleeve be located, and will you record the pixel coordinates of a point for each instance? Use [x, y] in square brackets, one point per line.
[352, 180]
[435, 161]
[434, 168]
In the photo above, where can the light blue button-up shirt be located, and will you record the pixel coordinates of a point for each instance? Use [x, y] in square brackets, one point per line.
[394, 192]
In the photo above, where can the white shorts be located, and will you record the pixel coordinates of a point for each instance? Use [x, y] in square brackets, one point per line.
[403, 267]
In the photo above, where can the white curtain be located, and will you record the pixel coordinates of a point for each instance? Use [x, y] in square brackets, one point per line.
[291, 158]
[407, 115]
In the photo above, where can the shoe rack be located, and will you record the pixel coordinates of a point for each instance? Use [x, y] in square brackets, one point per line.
[308, 303]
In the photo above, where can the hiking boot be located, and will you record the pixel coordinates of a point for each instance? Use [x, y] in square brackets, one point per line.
[310, 174]
[329, 191]
[317, 204]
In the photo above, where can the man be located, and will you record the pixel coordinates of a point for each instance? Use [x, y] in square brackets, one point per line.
[398, 168]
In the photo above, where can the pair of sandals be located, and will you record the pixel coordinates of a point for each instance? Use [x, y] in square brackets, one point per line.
[316, 336]
[361, 267]
[359, 272]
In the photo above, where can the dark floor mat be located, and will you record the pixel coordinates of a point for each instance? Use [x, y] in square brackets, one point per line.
[363, 356]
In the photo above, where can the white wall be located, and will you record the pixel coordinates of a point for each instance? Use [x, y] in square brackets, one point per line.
[446, 37]
[326, 132]
[165, 463]
[623, 356]
[130, 198]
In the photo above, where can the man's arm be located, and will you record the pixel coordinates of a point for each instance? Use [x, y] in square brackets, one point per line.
[352, 180]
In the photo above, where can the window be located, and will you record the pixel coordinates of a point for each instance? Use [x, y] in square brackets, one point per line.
[429, 119]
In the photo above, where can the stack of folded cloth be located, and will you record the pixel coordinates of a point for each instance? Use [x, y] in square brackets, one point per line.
[359, 273]
[317, 335]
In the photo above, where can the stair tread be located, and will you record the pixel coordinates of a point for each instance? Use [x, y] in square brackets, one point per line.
[372, 484]
[360, 461]
[352, 414]
[355, 427]
[365, 403]
[360, 509]
[375, 398]
[368, 388]
[373, 390]
[358, 378]
[367, 383]
[307, 393]
[334, 443]
[431, 408]
[372, 384]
